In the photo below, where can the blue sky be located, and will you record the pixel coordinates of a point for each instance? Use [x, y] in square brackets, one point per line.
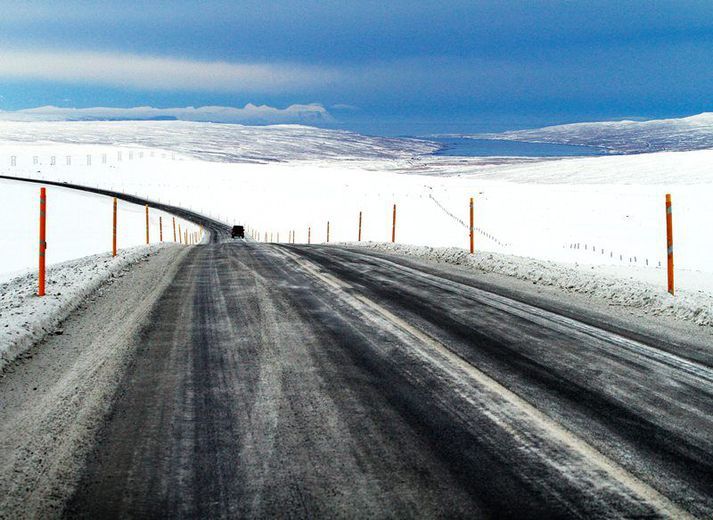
[388, 67]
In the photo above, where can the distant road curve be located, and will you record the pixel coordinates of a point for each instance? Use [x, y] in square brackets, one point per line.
[217, 228]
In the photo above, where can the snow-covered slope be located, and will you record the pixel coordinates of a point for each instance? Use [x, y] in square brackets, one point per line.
[219, 142]
[688, 133]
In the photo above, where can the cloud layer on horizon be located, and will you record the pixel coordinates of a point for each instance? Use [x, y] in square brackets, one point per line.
[162, 73]
[249, 114]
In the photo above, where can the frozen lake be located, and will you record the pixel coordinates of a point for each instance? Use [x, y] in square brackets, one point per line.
[459, 146]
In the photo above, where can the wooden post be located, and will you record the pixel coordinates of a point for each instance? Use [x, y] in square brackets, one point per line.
[669, 242]
[472, 245]
[174, 229]
[113, 239]
[147, 224]
[180, 235]
[160, 228]
[328, 232]
[359, 239]
[43, 241]
[309, 235]
[393, 226]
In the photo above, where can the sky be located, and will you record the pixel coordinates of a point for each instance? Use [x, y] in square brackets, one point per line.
[389, 67]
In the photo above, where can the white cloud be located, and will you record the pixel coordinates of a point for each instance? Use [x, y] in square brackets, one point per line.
[160, 73]
[249, 114]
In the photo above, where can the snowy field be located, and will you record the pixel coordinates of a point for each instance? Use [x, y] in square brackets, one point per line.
[601, 212]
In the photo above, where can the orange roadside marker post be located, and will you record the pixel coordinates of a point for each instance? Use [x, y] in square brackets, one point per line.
[43, 242]
[147, 224]
[669, 242]
[160, 228]
[393, 226]
[359, 238]
[180, 235]
[472, 245]
[174, 228]
[113, 238]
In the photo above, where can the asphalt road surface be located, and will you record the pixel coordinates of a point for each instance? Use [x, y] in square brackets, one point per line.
[317, 381]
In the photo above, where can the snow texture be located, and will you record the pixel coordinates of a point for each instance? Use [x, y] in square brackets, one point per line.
[220, 142]
[26, 319]
[616, 290]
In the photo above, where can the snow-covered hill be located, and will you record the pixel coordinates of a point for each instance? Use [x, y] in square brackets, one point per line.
[688, 133]
[220, 142]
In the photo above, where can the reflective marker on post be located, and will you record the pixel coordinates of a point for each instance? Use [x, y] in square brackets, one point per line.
[472, 245]
[669, 241]
[393, 226]
[113, 237]
[43, 241]
[359, 239]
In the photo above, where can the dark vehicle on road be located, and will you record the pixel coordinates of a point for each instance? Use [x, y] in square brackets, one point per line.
[238, 232]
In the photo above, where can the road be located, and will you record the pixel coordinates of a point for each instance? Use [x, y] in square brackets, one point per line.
[237, 379]
[315, 381]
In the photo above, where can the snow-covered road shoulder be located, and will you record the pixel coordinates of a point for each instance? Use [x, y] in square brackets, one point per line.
[613, 289]
[26, 319]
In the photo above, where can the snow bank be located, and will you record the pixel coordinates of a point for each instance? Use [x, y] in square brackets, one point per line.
[615, 290]
[25, 318]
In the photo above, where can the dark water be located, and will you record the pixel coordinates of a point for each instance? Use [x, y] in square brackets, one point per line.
[491, 147]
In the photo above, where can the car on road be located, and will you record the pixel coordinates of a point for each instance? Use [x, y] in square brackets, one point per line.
[237, 232]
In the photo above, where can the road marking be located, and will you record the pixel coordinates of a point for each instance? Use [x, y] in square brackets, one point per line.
[542, 317]
[555, 430]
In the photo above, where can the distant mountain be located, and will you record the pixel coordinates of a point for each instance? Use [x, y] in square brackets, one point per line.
[688, 133]
[221, 142]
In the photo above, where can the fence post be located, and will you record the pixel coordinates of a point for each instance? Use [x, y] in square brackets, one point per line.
[393, 226]
[309, 235]
[147, 224]
[180, 235]
[174, 229]
[160, 228]
[669, 242]
[328, 232]
[359, 239]
[113, 239]
[472, 248]
[43, 241]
